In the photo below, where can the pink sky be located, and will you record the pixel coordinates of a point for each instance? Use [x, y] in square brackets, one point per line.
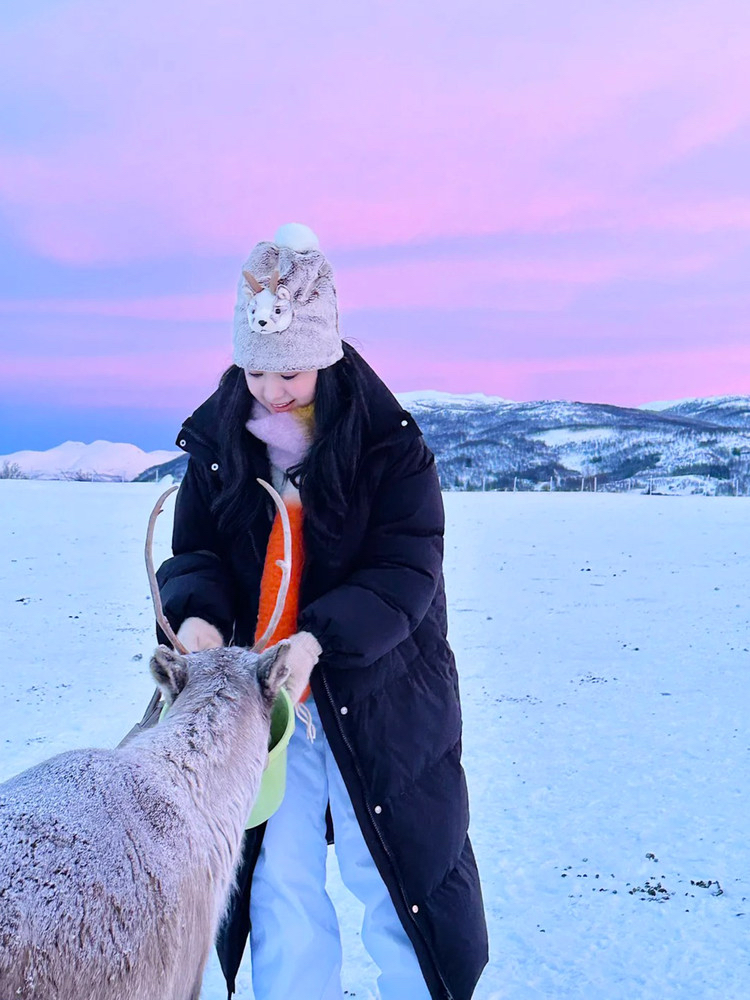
[532, 199]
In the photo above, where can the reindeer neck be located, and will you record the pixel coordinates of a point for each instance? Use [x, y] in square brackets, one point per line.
[215, 754]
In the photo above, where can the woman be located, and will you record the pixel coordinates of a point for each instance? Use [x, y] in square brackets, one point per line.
[367, 619]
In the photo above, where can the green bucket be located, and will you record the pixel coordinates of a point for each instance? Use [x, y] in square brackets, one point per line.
[273, 782]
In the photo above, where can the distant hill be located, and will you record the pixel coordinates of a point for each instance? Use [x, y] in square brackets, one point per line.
[486, 442]
[175, 468]
[495, 444]
[101, 460]
[726, 411]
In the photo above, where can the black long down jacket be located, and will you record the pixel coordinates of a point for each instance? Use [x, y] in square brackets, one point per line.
[386, 685]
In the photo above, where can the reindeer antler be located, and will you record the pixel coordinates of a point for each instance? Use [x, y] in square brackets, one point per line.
[252, 281]
[155, 595]
[286, 568]
[273, 281]
[285, 564]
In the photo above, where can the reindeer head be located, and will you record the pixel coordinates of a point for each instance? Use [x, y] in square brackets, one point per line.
[269, 310]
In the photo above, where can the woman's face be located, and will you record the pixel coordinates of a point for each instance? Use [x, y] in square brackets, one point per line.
[280, 392]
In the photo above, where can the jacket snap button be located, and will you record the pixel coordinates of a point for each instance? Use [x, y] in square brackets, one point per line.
[214, 467]
[182, 442]
[344, 709]
[415, 909]
[378, 809]
[404, 423]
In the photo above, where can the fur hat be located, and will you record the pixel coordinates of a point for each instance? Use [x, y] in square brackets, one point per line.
[286, 318]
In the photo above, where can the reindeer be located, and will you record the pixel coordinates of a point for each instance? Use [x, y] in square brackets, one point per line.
[115, 865]
[269, 310]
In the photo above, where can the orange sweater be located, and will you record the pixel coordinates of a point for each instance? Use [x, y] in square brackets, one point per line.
[271, 578]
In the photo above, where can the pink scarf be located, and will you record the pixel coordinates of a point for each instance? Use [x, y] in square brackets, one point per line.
[286, 436]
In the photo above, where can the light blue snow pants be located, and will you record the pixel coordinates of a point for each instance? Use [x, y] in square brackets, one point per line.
[295, 942]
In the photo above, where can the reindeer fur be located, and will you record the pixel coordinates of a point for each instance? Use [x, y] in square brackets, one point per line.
[116, 865]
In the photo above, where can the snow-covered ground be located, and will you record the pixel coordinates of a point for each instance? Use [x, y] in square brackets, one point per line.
[603, 644]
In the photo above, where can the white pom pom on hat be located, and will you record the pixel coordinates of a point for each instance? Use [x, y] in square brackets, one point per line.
[296, 236]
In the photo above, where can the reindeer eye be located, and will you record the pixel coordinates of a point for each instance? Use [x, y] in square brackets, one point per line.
[277, 311]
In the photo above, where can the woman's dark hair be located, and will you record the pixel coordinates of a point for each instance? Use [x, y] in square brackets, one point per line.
[326, 475]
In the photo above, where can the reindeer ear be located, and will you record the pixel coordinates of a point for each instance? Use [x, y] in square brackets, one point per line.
[169, 670]
[273, 669]
[282, 292]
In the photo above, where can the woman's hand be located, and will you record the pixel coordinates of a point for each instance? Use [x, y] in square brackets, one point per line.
[196, 634]
[304, 652]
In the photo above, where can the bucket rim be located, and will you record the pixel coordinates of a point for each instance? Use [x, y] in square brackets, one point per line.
[283, 742]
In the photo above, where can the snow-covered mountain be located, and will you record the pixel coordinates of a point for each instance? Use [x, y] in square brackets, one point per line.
[727, 411]
[76, 460]
[495, 444]
[436, 399]
[486, 442]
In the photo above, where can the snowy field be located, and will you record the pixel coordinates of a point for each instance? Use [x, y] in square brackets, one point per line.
[602, 642]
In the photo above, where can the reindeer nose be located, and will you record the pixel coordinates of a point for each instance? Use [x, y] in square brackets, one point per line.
[262, 322]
